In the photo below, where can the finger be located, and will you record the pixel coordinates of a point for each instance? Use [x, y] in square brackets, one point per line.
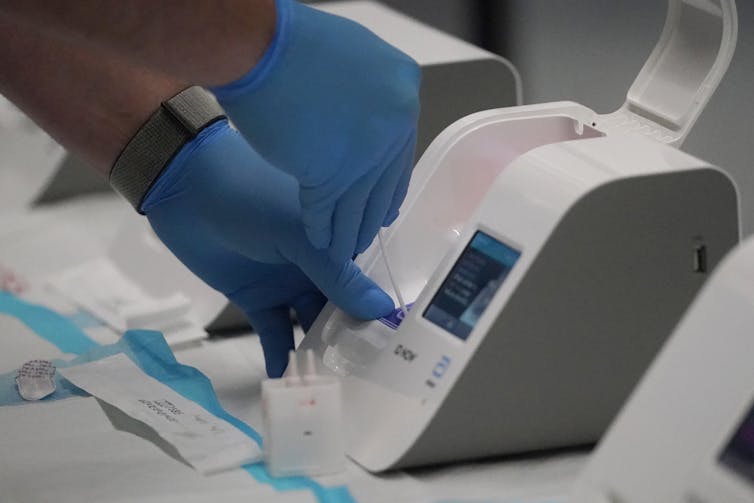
[349, 216]
[276, 336]
[381, 197]
[401, 189]
[346, 286]
[308, 307]
[317, 216]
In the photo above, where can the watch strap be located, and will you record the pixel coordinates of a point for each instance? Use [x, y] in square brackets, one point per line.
[150, 150]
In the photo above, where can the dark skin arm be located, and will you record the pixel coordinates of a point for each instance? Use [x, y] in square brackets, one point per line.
[205, 42]
[91, 105]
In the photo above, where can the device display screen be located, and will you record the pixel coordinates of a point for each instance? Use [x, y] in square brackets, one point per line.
[738, 455]
[471, 284]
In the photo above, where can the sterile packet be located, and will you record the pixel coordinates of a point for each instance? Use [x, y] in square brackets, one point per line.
[208, 443]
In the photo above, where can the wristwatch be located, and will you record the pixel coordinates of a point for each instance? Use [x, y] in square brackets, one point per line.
[176, 122]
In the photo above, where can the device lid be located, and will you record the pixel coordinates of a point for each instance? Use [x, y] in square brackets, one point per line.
[684, 69]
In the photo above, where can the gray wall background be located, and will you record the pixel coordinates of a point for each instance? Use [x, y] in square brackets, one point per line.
[587, 51]
[590, 51]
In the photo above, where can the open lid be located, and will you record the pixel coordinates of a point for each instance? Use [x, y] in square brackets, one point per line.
[682, 72]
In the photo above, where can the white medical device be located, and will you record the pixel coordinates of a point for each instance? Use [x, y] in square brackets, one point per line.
[687, 433]
[546, 252]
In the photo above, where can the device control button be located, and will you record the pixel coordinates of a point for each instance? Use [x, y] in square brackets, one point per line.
[441, 367]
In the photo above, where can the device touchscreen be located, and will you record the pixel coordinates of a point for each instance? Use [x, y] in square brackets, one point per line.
[738, 454]
[471, 284]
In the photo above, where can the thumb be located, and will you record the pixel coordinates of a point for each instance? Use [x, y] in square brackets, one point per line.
[346, 286]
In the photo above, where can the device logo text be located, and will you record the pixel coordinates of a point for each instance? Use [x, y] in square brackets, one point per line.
[405, 353]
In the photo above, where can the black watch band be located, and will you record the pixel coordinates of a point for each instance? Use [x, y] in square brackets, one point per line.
[154, 145]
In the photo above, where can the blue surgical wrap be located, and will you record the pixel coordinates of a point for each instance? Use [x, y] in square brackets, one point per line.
[149, 350]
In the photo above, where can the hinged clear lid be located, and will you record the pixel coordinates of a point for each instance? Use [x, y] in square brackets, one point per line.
[684, 69]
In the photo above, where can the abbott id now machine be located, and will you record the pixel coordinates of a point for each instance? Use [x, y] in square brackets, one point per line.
[545, 253]
[687, 433]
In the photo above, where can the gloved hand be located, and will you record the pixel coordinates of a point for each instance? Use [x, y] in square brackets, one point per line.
[336, 107]
[235, 221]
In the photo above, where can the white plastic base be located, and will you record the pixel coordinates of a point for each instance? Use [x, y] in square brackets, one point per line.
[302, 423]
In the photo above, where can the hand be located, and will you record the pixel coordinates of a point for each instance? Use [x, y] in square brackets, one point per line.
[235, 222]
[266, 294]
[336, 107]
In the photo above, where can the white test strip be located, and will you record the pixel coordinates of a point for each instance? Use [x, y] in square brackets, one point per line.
[206, 442]
[390, 274]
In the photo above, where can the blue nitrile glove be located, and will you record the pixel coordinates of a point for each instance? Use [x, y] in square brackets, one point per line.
[336, 107]
[235, 222]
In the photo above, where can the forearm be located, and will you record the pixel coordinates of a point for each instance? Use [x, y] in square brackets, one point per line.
[205, 42]
[90, 104]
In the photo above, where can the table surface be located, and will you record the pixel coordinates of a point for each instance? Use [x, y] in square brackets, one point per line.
[40, 242]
